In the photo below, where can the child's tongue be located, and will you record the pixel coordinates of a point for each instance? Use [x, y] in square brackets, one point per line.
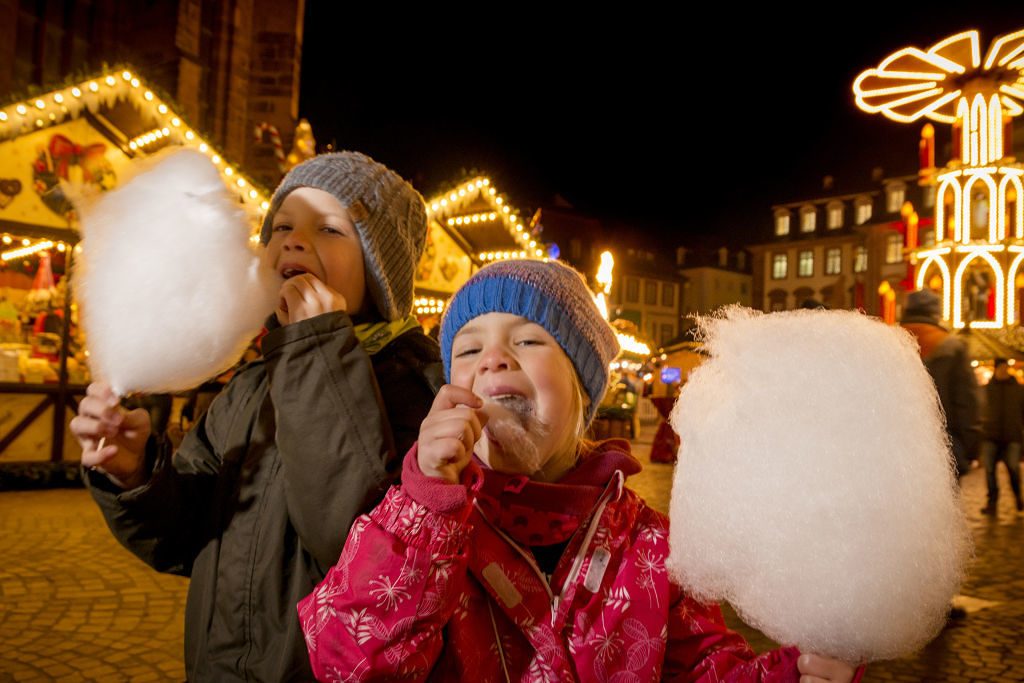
[509, 421]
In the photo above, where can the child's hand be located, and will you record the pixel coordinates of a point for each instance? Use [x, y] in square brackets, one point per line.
[305, 296]
[100, 416]
[817, 669]
[449, 432]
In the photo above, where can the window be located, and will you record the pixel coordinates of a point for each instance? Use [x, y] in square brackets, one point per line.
[894, 198]
[743, 288]
[928, 238]
[834, 261]
[782, 224]
[650, 293]
[894, 248]
[928, 198]
[779, 264]
[632, 290]
[805, 266]
[666, 333]
[668, 294]
[808, 217]
[835, 216]
[741, 260]
[860, 259]
[863, 212]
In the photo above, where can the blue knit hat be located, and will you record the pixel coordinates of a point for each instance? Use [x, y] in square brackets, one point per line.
[548, 293]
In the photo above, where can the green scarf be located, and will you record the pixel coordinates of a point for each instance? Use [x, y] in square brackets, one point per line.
[375, 336]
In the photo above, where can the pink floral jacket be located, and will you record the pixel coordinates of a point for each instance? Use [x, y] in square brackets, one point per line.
[429, 587]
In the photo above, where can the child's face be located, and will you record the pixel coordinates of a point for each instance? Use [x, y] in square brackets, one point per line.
[313, 233]
[519, 370]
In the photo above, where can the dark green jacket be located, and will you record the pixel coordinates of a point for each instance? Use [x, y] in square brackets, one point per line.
[257, 502]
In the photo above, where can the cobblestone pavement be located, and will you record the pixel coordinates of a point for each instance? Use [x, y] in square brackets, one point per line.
[75, 606]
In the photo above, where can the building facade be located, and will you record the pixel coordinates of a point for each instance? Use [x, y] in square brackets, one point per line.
[720, 278]
[843, 250]
[229, 67]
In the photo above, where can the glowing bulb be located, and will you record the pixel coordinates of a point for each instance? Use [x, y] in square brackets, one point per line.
[162, 109]
[110, 81]
[175, 122]
[135, 83]
[58, 98]
[434, 207]
[189, 135]
[486, 181]
[264, 205]
[253, 194]
[126, 75]
[453, 196]
[3, 116]
[132, 145]
[40, 104]
[61, 247]
[148, 96]
[25, 242]
[76, 92]
[203, 148]
[7, 239]
[498, 201]
[215, 159]
[94, 86]
[241, 183]
[21, 109]
[229, 171]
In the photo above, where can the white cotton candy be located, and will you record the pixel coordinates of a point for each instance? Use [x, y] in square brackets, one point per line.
[815, 488]
[170, 290]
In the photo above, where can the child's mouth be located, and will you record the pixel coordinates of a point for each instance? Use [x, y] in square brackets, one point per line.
[293, 271]
[519, 405]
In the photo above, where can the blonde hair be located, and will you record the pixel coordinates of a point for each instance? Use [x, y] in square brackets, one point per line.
[575, 445]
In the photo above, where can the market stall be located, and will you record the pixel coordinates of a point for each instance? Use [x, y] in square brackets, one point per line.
[78, 140]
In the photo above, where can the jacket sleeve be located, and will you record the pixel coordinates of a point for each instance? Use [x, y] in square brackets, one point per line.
[380, 613]
[168, 520]
[963, 418]
[332, 432]
[701, 648]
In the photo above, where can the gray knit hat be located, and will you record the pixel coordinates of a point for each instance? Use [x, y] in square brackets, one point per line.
[551, 294]
[922, 306]
[388, 213]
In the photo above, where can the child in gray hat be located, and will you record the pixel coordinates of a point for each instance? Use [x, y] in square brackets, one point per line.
[256, 503]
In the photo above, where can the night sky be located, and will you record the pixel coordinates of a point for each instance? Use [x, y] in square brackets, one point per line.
[688, 131]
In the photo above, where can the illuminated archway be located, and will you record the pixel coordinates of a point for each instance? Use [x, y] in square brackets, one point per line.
[922, 273]
[1012, 302]
[998, 287]
[1011, 190]
[950, 184]
[966, 220]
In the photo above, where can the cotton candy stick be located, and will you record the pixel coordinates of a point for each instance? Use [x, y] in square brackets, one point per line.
[814, 488]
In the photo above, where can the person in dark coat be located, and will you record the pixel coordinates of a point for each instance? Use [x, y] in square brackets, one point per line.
[1004, 423]
[255, 504]
[947, 362]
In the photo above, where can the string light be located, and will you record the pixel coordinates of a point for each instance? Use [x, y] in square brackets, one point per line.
[26, 250]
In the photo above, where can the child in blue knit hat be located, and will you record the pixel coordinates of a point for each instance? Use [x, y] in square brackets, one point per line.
[513, 550]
